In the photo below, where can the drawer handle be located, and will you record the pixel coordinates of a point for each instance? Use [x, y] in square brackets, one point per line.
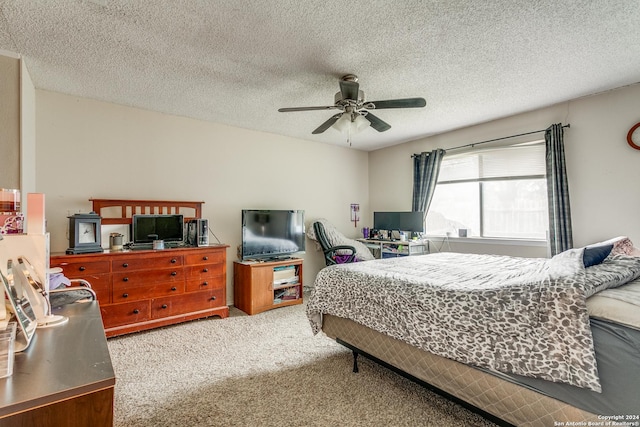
[136, 311]
[205, 270]
[125, 295]
[174, 288]
[125, 265]
[173, 260]
[82, 268]
[164, 305]
[213, 298]
[125, 279]
[174, 273]
[205, 258]
[205, 283]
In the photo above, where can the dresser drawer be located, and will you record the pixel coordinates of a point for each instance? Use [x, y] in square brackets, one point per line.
[133, 293]
[140, 277]
[205, 257]
[209, 283]
[186, 303]
[152, 262]
[204, 270]
[80, 270]
[92, 272]
[124, 314]
[101, 284]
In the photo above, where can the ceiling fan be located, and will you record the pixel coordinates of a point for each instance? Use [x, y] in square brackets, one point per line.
[354, 109]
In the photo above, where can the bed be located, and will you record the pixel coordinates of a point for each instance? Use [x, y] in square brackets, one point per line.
[535, 342]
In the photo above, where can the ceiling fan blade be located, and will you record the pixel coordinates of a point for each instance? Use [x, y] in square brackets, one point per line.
[326, 125]
[349, 89]
[326, 107]
[399, 103]
[376, 123]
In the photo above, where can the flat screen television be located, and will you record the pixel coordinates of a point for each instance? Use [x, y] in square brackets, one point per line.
[402, 221]
[147, 228]
[269, 233]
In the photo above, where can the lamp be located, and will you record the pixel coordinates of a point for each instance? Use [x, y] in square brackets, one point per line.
[351, 123]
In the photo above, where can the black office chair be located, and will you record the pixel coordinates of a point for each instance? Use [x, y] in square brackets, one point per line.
[331, 255]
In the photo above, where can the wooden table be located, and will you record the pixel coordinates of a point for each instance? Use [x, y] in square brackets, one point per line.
[64, 378]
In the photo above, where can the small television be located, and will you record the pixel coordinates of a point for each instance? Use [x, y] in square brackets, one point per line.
[402, 221]
[272, 234]
[147, 228]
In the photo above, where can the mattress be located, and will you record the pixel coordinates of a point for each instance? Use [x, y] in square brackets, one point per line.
[617, 350]
[514, 315]
[506, 400]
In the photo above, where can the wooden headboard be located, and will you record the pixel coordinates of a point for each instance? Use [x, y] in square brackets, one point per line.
[118, 211]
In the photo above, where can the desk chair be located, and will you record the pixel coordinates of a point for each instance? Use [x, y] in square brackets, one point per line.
[333, 254]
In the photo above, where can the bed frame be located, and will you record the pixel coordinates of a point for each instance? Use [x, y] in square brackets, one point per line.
[120, 211]
[501, 401]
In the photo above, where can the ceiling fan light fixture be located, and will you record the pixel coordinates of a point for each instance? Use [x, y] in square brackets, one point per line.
[360, 123]
[343, 123]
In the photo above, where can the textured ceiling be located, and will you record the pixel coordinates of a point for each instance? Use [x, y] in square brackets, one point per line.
[237, 61]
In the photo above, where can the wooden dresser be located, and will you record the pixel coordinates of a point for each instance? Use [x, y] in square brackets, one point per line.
[145, 289]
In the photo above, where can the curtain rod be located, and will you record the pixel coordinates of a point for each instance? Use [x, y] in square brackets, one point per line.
[497, 139]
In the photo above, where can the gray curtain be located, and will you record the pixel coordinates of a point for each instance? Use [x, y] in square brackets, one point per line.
[426, 167]
[560, 232]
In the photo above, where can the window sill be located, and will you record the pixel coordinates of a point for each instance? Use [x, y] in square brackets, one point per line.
[489, 241]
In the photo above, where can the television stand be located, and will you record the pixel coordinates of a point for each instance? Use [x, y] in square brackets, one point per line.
[263, 286]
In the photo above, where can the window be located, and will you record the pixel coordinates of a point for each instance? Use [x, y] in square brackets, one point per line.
[494, 193]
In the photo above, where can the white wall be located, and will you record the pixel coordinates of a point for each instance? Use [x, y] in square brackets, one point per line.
[88, 149]
[17, 126]
[10, 120]
[603, 170]
[27, 134]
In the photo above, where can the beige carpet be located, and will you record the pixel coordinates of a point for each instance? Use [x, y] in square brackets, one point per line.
[263, 370]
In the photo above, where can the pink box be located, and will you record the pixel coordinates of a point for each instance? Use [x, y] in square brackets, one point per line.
[35, 213]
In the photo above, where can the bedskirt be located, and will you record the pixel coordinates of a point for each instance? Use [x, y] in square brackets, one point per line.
[508, 401]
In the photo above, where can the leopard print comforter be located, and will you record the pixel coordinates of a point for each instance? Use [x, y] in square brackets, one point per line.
[502, 313]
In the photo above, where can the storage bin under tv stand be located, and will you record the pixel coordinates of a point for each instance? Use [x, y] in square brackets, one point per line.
[256, 286]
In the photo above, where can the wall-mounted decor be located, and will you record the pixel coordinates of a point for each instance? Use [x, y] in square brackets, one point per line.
[633, 137]
[355, 213]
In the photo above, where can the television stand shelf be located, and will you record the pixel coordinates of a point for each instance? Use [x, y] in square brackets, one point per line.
[262, 286]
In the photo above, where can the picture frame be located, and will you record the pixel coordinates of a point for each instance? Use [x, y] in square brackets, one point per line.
[21, 308]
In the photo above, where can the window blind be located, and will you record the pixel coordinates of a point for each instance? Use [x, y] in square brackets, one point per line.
[494, 163]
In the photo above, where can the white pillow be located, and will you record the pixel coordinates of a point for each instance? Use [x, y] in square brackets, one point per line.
[567, 263]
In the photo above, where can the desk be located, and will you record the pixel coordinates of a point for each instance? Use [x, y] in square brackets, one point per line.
[396, 248]
[65, 377]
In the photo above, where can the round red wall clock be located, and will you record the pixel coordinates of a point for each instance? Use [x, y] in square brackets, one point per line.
[633, 137]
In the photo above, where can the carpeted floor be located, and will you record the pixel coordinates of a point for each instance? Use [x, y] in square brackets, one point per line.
[263, 370]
